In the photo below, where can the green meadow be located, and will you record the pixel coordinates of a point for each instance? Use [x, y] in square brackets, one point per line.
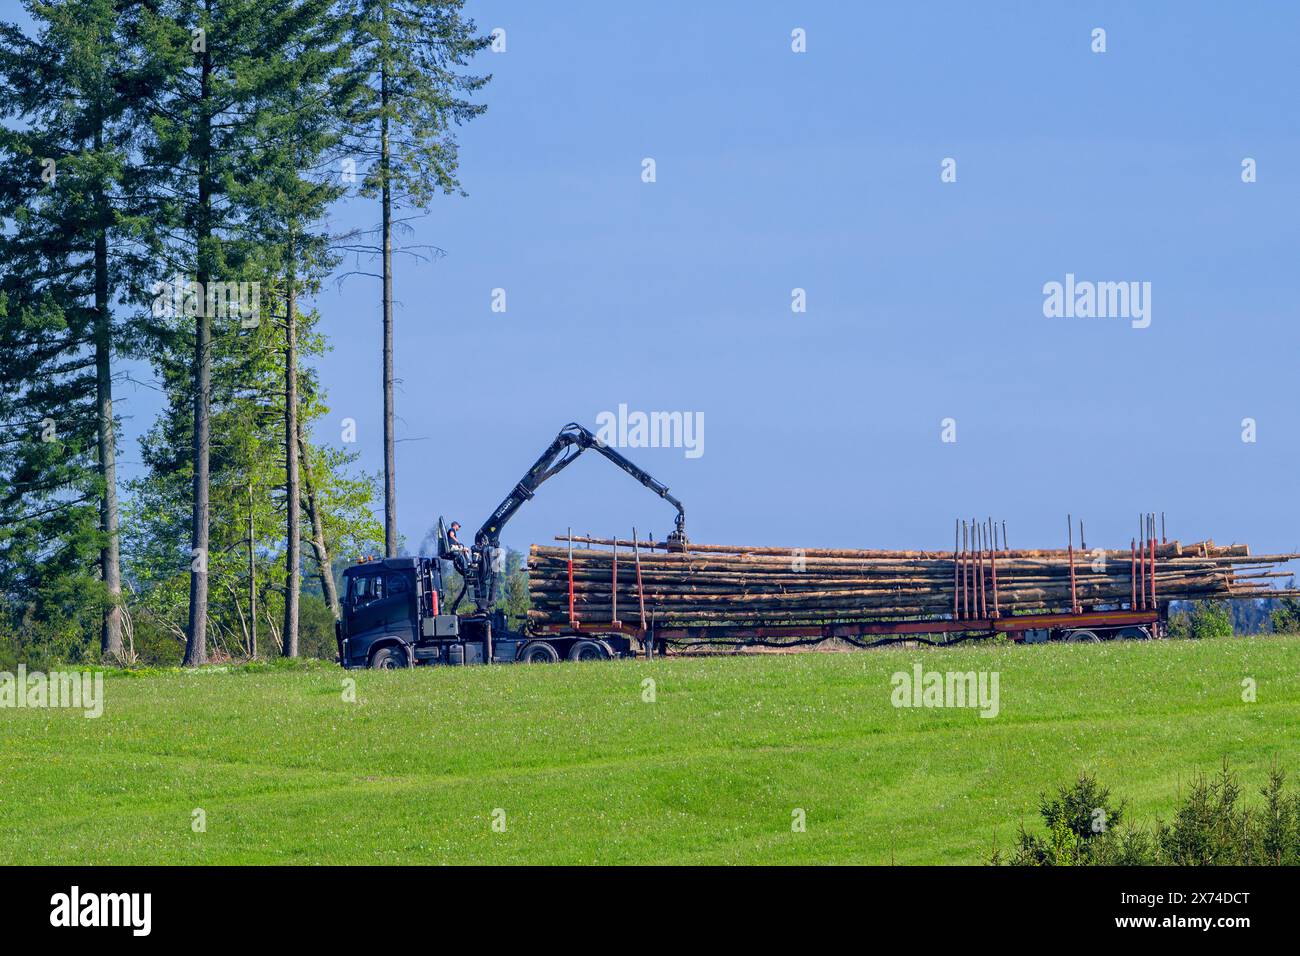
[670, 761]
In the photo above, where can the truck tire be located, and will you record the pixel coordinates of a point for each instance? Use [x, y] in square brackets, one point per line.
[538, 652]
[588, 651]
[1082, 636]
[1133, 634]
[388, 658]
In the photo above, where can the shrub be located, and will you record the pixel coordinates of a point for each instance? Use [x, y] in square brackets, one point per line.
[1285, 618]
[1203, 619]
[1080, 820]
[1210, 827]
[316, 629]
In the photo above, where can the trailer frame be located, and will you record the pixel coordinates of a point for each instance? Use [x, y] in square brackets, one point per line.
[1019, 628]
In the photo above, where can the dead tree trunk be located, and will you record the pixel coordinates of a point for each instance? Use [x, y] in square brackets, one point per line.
[110, 562]
[196, 638]
[292, 491]
[390, 453]
[252, 580]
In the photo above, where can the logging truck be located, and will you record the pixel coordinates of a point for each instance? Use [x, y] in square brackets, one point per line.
[396, 612]
[400, 612]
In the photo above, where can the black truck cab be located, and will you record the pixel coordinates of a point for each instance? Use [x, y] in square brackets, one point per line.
[392, 618]
[393, 613]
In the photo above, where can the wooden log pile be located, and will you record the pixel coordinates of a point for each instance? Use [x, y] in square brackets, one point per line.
[727, 584]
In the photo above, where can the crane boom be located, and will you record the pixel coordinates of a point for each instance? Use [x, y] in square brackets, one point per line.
[571, 442]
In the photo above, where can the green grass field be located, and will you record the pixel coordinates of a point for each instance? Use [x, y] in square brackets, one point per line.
[287, 771]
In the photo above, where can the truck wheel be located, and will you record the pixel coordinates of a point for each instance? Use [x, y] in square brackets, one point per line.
[388, 658]
[588, 651]
[1133, 634]
[539, 652]
[1082, 637]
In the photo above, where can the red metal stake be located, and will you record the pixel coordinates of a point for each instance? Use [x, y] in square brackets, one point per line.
[973, 567]
[640, 591]
[1074, 597]
[956, 540]
[573, 618]
[993, 560]
[965, 573]
[1133, 572]
[1142, 568]
[1153, 567]
[613, 613]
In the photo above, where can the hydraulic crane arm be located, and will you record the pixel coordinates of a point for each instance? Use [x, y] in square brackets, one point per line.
[571, 442]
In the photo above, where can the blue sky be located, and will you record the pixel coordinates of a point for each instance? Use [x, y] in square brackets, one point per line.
[821, 170]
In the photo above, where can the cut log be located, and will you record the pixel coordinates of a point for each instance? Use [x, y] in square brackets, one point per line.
[737, 584]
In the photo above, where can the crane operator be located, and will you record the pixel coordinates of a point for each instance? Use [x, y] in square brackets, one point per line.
[462, 557]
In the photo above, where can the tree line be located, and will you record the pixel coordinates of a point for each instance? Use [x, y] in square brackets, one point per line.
[167, 173]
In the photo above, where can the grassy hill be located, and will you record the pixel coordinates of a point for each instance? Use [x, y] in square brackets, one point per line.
[585, 771]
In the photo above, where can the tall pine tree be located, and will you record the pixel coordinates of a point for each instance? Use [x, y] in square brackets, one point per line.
[67, 252]
[225, 66]
[291, 187]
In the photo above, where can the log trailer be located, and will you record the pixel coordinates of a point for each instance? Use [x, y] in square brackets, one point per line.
[707, 597]
[396, 614]
[974, 614]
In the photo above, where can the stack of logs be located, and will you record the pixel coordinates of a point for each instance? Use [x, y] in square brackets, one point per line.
[724, 584]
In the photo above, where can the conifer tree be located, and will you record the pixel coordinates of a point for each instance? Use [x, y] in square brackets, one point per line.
[225, 66]
[68, 88]
[291, 187]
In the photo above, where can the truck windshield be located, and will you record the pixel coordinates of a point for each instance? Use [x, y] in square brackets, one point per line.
[364, 589]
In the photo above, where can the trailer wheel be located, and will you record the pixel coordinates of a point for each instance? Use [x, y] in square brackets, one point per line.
[388, 659]
[1082, 637]
[589, 651]
[539, 652]
[1133, 634]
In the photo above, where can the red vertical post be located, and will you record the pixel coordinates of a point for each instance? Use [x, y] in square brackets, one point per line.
[993, 560]
[1153, 564]
[965, 573]
[1142, 565]
[573, 617]
[972, 561]
[1133, 573]
[979, 566]
[1074, 597]
[613, 594]
[640, 591]
[956, 570]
